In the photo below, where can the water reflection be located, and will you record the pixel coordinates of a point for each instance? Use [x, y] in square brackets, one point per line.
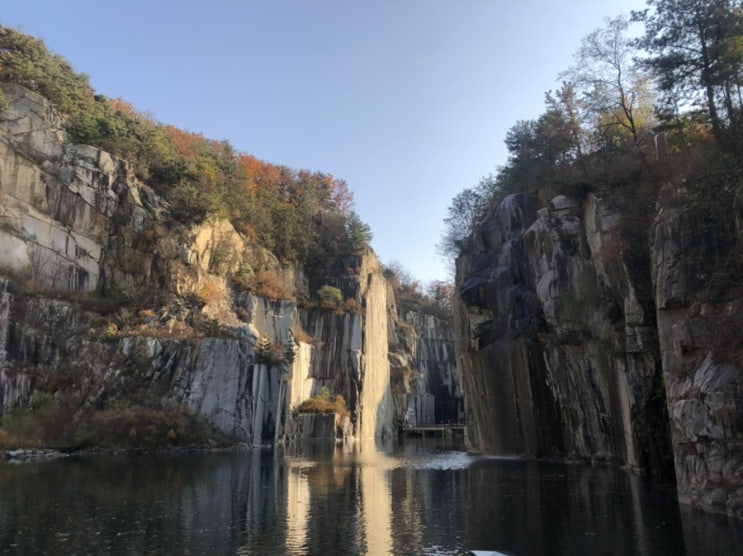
[376, 497]
[418, 497]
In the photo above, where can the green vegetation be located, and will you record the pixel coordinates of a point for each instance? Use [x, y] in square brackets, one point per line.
[695, 54]
[303, 217]
[111, 333]
[331, 298]
[324, 402]
[631, 114]
[435, 298]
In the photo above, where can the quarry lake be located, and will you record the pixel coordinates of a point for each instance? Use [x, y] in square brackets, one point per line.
[417, 496]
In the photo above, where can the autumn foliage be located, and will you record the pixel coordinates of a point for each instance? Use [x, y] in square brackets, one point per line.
[324, 402]
[304, 217]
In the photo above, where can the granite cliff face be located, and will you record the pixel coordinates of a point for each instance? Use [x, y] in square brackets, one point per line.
[105, 299]
[105, 295]
[696, 269]
[425, 383]
[579, 337]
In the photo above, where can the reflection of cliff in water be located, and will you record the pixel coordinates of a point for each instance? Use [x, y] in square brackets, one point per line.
[420, 496]
[341, 498]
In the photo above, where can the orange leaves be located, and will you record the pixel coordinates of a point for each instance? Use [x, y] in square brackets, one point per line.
[261, 175]
[281, 208]
[120, 105]
[186, 143]
[294, 186]
[341, 196]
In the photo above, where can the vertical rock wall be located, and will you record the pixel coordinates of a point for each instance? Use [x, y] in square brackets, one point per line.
[375, 398]
[334, 360]
[697, 264]
[584, 332]
[74, 219]
[556, 351]
[350, 356]
[225, 379]
[434, 394]
[57, 197]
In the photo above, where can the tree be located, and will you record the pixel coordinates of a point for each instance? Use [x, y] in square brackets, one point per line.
[696, 55]
[400, 278]
[465, 210]
[330, 297]
[359, 234]
[542, 150]
[616, 91]
[27, 61]
[441, 293]
[341, 197]
[562, 128]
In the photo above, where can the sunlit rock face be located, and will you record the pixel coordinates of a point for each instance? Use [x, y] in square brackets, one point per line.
[350, 354]
[74, 219]
[102, 286]
[374, 378]
[557, 351]
[57, 197]
[696, 262]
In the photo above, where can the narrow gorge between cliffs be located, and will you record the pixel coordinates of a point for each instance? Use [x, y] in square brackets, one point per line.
[200, 352]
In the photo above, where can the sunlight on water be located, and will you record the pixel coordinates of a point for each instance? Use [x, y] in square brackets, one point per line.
[444, 460]
[419, 496]
[298, 506]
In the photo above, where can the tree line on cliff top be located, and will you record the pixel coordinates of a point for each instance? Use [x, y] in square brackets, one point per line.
[305, 218]
[662, 106]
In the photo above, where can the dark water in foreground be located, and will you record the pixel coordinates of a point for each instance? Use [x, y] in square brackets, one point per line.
[419, 497]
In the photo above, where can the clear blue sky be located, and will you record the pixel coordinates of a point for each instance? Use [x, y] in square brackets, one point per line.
[407, 100]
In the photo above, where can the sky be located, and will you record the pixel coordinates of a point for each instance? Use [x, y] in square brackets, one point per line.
[408, 101]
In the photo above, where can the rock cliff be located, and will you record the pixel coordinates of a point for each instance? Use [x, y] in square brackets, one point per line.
[107, 301]
[425, 383]
[696, 268]
[578, 337]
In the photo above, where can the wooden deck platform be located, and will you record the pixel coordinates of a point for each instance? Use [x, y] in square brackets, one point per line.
[434, 430]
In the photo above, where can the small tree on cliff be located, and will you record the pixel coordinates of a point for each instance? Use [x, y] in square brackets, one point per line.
[359, 234]
[331, 297]
[464, 212]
